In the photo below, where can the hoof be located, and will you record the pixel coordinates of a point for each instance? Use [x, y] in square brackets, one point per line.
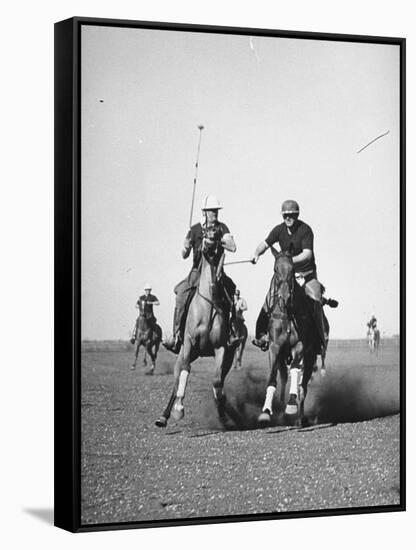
[291, 409]
[292, 406]
[178, 412]
[264, 419]
[133, 367]
[149, 372]
[323, 372]
[161, 422]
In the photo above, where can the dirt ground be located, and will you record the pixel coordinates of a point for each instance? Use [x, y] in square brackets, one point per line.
[201, 467]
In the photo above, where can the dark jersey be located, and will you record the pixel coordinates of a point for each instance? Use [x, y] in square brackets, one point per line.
[300, 236]
[195, 235]
[145, 304]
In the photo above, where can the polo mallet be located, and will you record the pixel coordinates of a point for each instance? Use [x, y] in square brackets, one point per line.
[200, 128]
[240, 262]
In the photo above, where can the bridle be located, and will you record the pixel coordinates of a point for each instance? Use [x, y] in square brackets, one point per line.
[283, 289]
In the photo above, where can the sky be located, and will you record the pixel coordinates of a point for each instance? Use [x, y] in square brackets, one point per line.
[283, 119]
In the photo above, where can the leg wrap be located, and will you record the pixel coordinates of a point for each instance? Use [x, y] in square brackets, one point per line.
[183, 377]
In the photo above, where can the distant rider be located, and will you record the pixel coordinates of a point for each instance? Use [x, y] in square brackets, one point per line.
[145, 306]
[372, 323]
[185, 288]
[240, 306]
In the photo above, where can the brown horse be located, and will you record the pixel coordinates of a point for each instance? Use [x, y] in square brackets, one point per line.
[206, 333]
[148, 335]
[242, 334]
[293, 340]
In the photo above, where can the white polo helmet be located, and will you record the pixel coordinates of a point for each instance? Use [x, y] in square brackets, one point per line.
[211, 202]
[147, 287]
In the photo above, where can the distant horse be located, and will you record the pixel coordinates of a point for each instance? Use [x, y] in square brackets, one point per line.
[373, 336]
[242, 334]
[206, 332]
[148, 335]
[293, 340]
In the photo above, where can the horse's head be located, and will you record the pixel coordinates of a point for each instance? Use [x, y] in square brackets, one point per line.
[283, 270]
[211, 244]
[142, 323]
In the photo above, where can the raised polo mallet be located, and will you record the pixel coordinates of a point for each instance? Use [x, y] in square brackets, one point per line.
[200, 128]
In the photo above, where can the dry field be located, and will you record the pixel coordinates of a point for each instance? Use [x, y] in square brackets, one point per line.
[200, 467]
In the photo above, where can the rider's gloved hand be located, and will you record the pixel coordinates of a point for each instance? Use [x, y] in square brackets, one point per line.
[332, 303]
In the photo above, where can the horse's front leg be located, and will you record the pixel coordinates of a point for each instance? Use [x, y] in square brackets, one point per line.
[150, 353]
[265, 417]
[187, 356]
[133, 366]
[163, 419]
[223, 361]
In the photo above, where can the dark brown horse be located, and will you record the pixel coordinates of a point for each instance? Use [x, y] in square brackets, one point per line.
[148, 335]
[293, 340]
[206, 333]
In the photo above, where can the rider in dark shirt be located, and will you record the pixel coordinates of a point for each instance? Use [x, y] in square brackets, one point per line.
[193, 241]
[296, 236]
[145, 306]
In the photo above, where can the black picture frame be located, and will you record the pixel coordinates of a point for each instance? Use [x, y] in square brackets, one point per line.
[67, 385]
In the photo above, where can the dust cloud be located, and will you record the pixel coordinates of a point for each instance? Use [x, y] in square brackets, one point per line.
[345, 394]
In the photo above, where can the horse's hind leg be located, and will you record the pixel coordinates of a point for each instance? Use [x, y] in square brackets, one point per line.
[295, 372]
[223, 360]
[308, 363]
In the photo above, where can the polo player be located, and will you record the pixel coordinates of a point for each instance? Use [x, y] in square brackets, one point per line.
[185, 289]
[145, 306]
[372, 323]
[295, 236]
[240, 306]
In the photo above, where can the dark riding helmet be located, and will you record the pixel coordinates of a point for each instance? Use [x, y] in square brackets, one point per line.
[290, 207]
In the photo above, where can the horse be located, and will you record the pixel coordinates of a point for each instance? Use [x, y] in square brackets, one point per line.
[149, 335]
[205, 334]
[373, 336]
[293, 341]
[241, 334]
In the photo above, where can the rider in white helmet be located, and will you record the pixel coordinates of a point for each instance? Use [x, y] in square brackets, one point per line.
[296, 236]
[145, 306]
[372, 323]
[193, 242]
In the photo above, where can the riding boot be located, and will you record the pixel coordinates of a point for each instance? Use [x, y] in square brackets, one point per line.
[261, 340]
[174, 342]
